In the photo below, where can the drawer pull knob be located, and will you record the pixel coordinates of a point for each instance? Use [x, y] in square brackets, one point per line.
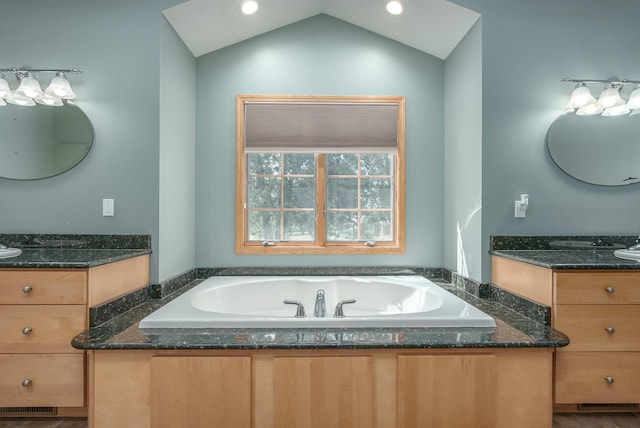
[27, 288]
[27, 382]
[610, 289]
[610, 330]
[609, 379]
[27, 330]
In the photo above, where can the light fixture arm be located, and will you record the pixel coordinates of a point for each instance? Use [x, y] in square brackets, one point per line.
[21, 72]
[612, 81]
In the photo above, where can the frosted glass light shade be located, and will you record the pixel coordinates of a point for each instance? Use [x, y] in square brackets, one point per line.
[616, 111]
[20, 100]
[590, 110]
[634, 99]
[48, 100]
[580, 97]
[29, 87]
[60, 88]
[610, 97]
[5, 91]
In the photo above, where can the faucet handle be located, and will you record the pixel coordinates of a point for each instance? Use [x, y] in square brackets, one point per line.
[300, 309]
[339, 313]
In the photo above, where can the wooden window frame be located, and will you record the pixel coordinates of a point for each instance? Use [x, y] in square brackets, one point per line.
[320, 245]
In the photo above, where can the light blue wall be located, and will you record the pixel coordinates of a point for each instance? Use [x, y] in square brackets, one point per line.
[176, 236]
[324, 56]
[116, 43]
[527, 46]
[462, 157]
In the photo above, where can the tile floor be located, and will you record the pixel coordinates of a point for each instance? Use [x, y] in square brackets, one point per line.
[561, 420]
[596, 420]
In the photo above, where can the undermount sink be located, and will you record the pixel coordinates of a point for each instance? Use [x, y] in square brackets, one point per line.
[579, 245]
[5, 252]
[628, 254]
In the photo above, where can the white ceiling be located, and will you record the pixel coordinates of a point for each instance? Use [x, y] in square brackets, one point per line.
[432, 26]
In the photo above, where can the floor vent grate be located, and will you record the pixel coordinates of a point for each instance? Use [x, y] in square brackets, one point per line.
[612, 407]
[28, 411]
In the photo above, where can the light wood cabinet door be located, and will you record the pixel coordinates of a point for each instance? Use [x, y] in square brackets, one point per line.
[43, 287]
[447, 391]
[597, 377]
[599, 327]
[42, 380]
[321, 392]
[597, 288]
[40, 328]
[201, 392]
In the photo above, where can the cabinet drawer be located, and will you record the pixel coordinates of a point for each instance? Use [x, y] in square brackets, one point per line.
[49, 328]
[55, 380]
[575, 288]
[581, 377]
[28, 287]
[599, 327]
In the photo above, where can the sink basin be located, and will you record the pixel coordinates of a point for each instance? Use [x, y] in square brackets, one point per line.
[5, 253]
[580, 245]
[628, 254]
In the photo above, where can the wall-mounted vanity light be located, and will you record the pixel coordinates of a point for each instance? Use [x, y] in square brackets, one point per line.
[29, 92]
[610, 101]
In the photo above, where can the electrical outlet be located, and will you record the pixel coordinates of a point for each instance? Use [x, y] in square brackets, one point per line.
[107, 208]
[520, 209]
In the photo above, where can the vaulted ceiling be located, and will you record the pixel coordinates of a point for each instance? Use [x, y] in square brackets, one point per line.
[432, 26]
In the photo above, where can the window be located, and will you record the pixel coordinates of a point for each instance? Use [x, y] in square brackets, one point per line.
[320, 175]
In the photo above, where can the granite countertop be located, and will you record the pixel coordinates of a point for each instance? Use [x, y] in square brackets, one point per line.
[72, 250]
[569, 259]
[513, 331]
[68, 258]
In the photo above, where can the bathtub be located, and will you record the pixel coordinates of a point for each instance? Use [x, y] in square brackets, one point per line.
[257, 302]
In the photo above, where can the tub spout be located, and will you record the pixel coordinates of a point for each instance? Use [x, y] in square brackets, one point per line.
[320, 310]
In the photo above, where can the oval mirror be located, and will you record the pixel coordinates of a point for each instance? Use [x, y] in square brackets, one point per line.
[602, 150]
[42, 141]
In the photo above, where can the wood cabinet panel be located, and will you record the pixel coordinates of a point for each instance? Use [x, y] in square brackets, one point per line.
[501, 388]
[49, 380]
[428, 384]
[581, 377]
[116, 279]
[54, 287]
[319, 392]
[597, 287]
[599, 327]
[201, 392]
[40, 328]
[526, 280]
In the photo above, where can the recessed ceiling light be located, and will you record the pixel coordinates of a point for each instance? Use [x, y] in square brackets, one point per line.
[395, 7]
[249, 7]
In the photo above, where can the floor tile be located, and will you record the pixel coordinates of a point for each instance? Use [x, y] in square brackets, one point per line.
[596, 420]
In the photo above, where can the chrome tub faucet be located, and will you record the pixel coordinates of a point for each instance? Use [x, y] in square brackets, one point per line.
[320, 310]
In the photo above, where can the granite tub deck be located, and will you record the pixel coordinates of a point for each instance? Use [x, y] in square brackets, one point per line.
[513, 330]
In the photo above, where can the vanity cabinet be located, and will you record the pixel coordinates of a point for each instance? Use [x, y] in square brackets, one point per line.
[41, 310]
[381, 388]
[600, 312]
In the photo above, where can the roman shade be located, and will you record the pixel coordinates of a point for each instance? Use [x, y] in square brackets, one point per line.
[321, 127]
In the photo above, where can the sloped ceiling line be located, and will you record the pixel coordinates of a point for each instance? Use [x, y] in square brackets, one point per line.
[432, 26]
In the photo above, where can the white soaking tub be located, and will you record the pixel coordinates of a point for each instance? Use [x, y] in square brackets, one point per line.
[258, 302]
